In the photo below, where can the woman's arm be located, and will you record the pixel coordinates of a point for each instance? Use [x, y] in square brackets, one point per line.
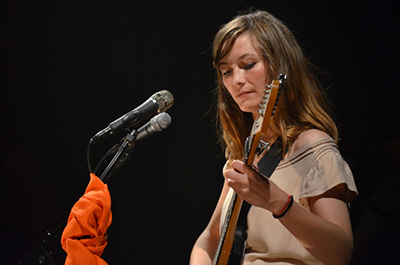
[325, 231]
[206, 245]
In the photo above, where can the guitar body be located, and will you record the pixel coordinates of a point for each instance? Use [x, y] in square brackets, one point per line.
[224, 255]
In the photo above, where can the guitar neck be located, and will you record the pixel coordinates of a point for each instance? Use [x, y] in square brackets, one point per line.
[260, 126]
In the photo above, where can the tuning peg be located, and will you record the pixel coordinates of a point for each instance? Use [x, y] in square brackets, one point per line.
[282, 77]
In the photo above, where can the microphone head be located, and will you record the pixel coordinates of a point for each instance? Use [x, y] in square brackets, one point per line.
[156, 124]
[163, 99]
[161, 121]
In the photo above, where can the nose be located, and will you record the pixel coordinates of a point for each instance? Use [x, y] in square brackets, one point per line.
[238, 77]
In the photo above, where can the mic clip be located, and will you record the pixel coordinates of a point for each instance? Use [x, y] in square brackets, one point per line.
[121, 156]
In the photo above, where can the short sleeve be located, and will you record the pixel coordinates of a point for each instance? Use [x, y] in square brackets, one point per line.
[327, 170]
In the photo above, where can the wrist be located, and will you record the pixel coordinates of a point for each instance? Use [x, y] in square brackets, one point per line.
[283, 210]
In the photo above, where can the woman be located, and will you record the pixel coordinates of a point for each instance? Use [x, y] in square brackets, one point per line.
[314, 228]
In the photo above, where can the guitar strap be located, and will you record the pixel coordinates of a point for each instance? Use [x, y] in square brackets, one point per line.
[266, 167]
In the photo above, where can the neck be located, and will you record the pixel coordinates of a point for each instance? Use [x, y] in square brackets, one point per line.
[270, 135]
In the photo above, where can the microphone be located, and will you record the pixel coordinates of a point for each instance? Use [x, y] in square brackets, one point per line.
[157, 103]
[156, 124]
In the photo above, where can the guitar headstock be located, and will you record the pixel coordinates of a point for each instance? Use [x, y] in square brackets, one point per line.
[267, 108]
[269, 98]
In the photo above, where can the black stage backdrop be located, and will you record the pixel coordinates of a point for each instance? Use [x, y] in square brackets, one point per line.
[68, 68]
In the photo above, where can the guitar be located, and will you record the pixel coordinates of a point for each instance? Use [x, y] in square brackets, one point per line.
[255, 146]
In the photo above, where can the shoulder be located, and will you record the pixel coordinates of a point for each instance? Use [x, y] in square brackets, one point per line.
[309, 137]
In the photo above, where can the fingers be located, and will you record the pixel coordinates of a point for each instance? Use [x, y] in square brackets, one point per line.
[241, 169]
[240, 176]
[250, 185]
[236, 173]
[239, 166]
[245, 182]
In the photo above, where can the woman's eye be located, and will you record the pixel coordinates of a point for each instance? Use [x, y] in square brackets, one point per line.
[224, 73]
[249, 66]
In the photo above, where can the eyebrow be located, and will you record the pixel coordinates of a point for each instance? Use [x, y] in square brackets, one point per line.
[239, 58]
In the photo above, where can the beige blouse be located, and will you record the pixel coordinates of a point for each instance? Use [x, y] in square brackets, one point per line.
[308, 172]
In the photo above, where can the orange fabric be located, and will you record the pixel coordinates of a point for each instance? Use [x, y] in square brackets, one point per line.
[84, 237]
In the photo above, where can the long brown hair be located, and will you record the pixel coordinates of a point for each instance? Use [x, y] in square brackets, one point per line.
[302, 105]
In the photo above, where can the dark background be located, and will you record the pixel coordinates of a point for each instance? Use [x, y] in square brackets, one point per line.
[68, 68]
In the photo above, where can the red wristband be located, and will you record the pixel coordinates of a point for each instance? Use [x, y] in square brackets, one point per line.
[285, 208]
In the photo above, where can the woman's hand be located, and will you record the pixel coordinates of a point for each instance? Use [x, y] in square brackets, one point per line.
[254, 188]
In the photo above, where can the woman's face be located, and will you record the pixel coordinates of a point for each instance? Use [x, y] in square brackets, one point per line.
[244, 73]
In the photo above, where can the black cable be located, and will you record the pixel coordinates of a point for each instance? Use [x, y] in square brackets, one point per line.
[88, 156]
[113, 150]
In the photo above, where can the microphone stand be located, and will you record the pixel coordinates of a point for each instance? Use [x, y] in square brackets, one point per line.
[123, 154]
[43, 253]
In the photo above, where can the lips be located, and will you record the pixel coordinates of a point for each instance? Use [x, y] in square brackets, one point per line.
[244, 93]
